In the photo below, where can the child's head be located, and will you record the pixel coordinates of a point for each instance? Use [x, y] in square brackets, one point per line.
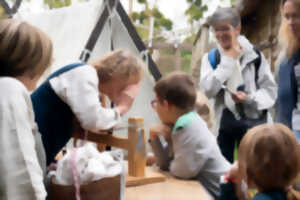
[117, 70]
[24, 49]
[175, 94]
[269, 157]
[204, 109]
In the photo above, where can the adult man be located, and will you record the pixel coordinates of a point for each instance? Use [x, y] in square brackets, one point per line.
[238, 78]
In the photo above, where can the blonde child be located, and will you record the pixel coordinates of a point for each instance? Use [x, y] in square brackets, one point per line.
[25, 53]
[191, 151]
[73, 92]
[268, 160]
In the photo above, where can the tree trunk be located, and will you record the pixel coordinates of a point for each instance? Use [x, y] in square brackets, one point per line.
[198, 51]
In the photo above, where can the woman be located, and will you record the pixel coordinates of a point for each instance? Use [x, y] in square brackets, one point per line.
[288, 103]
[73, 91]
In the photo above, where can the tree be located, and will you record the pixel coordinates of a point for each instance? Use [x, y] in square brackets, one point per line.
[195, 10]
[143, 18]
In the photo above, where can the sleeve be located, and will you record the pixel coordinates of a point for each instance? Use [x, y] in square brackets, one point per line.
[79, 89]
[21, 174]
[211, 81]
[190, 155]
[161, 153]
[265, 96]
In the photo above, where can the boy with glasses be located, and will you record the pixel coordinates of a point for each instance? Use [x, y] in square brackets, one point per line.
[191, 150]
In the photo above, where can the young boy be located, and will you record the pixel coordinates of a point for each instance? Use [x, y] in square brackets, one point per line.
[191, 151]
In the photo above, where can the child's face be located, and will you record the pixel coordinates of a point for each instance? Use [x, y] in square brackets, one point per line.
[162, 109]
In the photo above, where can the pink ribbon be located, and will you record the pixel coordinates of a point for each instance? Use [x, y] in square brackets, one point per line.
[75, 173]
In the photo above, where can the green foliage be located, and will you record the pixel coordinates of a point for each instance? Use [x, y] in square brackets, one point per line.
[143, 17]
[186, 56]
[57, 3]
[195, 10]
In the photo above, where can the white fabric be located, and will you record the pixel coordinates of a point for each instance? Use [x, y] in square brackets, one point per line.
[234, 81]
[21, 173]
[91, 166]
[76, 23]
[79, 89]
[261, 98]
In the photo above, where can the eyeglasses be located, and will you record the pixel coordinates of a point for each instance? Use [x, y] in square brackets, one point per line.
[154, 103]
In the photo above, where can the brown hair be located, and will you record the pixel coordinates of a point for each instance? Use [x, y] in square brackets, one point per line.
[269, 157]
[286, 38]
[118, 64]
[23, 49]
[177, 88]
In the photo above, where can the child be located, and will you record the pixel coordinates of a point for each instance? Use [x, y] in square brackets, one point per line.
[195, 152]
[268, 161]
[25, 53]
[74, 91]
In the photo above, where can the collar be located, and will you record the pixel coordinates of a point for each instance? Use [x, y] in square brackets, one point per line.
[184, 120]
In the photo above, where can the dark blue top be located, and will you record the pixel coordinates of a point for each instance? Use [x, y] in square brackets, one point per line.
[53, 116]
[287, 90]
[274, 195]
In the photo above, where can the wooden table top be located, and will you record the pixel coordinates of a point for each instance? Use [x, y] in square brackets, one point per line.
[171, 189]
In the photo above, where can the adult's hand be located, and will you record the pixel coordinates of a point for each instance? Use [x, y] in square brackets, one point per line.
[126, 98]
[239, 97]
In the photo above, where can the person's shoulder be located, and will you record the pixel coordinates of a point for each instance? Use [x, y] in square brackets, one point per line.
[11, 89]
[10, 85]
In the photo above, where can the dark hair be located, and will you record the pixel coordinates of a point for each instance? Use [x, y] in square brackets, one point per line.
[23, 49]
[177, 88]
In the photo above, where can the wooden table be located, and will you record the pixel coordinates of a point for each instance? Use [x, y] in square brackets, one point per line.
[171, 189]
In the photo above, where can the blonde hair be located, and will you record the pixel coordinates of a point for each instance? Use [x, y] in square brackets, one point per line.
[204, 109]
[269, 157]
[286, 38]
[118, 64]
[24, 49]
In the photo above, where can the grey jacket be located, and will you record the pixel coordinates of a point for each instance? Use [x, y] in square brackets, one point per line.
[196, 155]
[259, 98]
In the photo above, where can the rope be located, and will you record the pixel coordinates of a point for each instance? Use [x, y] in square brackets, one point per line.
[75, 173]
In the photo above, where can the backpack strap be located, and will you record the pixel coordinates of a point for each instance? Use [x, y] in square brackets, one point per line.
[257, 63]
[214, 58]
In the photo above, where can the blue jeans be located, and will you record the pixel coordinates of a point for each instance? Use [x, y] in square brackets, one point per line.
[297, 134]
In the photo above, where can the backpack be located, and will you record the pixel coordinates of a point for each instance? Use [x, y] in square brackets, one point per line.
[214, 58]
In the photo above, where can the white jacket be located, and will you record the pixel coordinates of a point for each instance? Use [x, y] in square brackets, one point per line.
[259, 99]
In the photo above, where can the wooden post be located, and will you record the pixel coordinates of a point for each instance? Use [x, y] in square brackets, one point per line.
[177, 59]
[137, 147]
[198, 52]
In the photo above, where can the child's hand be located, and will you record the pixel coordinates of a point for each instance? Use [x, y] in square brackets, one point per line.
[233, 172]
[126, 98]
[160, 129]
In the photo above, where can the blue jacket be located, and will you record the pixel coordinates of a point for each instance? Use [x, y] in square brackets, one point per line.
[287, 90]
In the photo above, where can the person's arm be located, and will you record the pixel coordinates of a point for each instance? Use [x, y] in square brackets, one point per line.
[161, 152]
[79, 89]
[21, 174]
[189, 155]
[265, 95]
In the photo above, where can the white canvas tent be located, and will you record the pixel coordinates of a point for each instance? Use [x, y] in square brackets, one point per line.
[89, 30]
